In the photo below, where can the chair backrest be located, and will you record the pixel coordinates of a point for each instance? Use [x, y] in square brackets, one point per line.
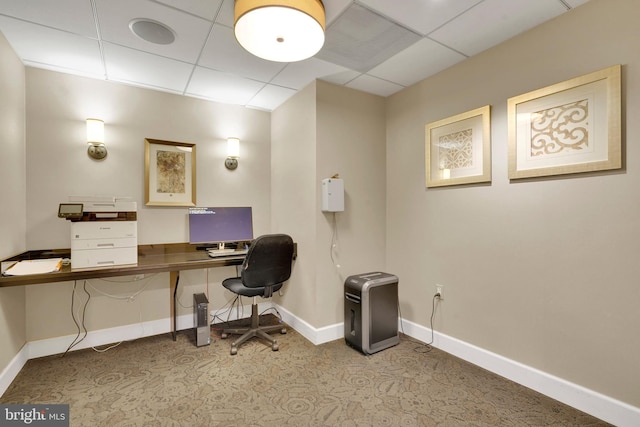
[268, 261]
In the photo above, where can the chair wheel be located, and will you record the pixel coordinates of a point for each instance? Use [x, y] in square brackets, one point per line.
[223, 336]
[283, 331]
[234, 351]
[274, 346]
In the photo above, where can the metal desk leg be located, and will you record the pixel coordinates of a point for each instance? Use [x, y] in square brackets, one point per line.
[174, 278]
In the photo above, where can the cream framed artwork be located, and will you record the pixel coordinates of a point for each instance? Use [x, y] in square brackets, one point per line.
[569, 127]
[458, 149]
[169, 173]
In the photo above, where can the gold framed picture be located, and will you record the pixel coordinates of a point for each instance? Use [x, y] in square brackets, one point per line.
[458, 149]
[569, 127]
[169, 173]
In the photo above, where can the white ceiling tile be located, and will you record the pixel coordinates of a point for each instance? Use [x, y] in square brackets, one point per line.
[341, 78]
[270, 97]
[334, 8]
[225, 16]
[191, 32]
[223, 53]
[74, 16]
[297, 75]
[53, 48]
[222, 87]
[422, 16]
[411, 65]
[133, 66]
[374, 85]
[206, 9]
[62, 35]
[360, 39]
[494, 21]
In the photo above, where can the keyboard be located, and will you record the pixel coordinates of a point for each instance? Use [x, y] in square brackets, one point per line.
[214, 253]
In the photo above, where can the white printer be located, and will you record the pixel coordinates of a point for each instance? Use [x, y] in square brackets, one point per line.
[105, 234]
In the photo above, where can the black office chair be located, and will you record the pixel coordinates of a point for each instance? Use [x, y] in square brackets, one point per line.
[266, 267]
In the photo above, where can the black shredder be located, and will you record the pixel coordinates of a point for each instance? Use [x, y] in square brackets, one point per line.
[371, 311]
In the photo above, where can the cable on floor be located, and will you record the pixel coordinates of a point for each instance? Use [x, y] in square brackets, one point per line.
[129, 298]
[422, 347]
[77, 340]
[277, 313]
[227, 309]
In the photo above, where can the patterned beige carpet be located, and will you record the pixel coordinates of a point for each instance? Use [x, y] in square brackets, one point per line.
[157, 382]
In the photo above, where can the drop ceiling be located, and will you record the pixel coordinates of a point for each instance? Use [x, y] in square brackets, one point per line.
[376, 46]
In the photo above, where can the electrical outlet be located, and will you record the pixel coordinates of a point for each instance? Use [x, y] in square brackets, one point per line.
[440, 291]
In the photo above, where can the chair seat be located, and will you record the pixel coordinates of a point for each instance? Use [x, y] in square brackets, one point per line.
[235, 285]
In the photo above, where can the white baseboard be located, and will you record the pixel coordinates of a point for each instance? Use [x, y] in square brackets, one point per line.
[316, 336]
[603, 407]
[98, 338]
[131, 332]
[14, 367]
[600, 406]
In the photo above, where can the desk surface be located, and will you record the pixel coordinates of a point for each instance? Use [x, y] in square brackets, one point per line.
[151, 259]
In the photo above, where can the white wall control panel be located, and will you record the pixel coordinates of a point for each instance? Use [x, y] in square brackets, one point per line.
[332, 195]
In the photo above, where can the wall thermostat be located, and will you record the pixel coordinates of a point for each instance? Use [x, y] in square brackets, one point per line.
[332, 195]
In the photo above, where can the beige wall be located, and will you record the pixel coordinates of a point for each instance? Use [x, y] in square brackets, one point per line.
[57, 105]
[13, 205]
[321, 131]
[351, 142]
[293, 203]
[544, 272]
[58, 166]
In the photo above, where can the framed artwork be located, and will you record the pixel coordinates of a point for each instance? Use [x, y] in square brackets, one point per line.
[570, 127]
[458, 149]
[169, 173]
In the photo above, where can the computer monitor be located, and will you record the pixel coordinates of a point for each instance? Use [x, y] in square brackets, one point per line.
[209, 227]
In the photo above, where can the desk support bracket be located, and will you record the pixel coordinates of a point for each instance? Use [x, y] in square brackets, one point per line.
[174, 278]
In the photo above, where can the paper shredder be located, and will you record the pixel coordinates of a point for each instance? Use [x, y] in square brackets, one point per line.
[371, 311]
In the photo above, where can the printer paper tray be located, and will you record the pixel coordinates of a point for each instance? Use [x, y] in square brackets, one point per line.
[113, 243]
[103, 257]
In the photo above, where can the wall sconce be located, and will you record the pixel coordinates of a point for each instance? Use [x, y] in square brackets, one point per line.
[95, 139]
[233, 153]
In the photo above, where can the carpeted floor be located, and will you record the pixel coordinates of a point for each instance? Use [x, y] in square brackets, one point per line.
[157, 382]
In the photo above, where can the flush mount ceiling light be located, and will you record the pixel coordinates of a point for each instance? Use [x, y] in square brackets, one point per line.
[281, 31]
[152, 31]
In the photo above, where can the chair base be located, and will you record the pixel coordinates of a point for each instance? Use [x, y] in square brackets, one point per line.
[254, 331]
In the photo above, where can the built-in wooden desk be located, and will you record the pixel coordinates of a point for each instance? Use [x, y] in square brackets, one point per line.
[157, 258]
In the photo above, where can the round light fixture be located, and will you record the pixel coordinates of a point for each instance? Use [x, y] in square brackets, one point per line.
[281, 31]
[152, 31]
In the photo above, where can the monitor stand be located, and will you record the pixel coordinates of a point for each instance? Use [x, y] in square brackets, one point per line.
[220, 250]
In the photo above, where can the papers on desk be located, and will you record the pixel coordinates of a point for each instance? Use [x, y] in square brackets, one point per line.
[34, 266]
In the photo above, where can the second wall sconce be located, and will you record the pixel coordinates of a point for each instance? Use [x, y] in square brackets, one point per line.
[95, 139]
[233, 153]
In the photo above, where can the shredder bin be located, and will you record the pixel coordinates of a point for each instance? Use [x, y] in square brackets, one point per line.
[371, 311]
